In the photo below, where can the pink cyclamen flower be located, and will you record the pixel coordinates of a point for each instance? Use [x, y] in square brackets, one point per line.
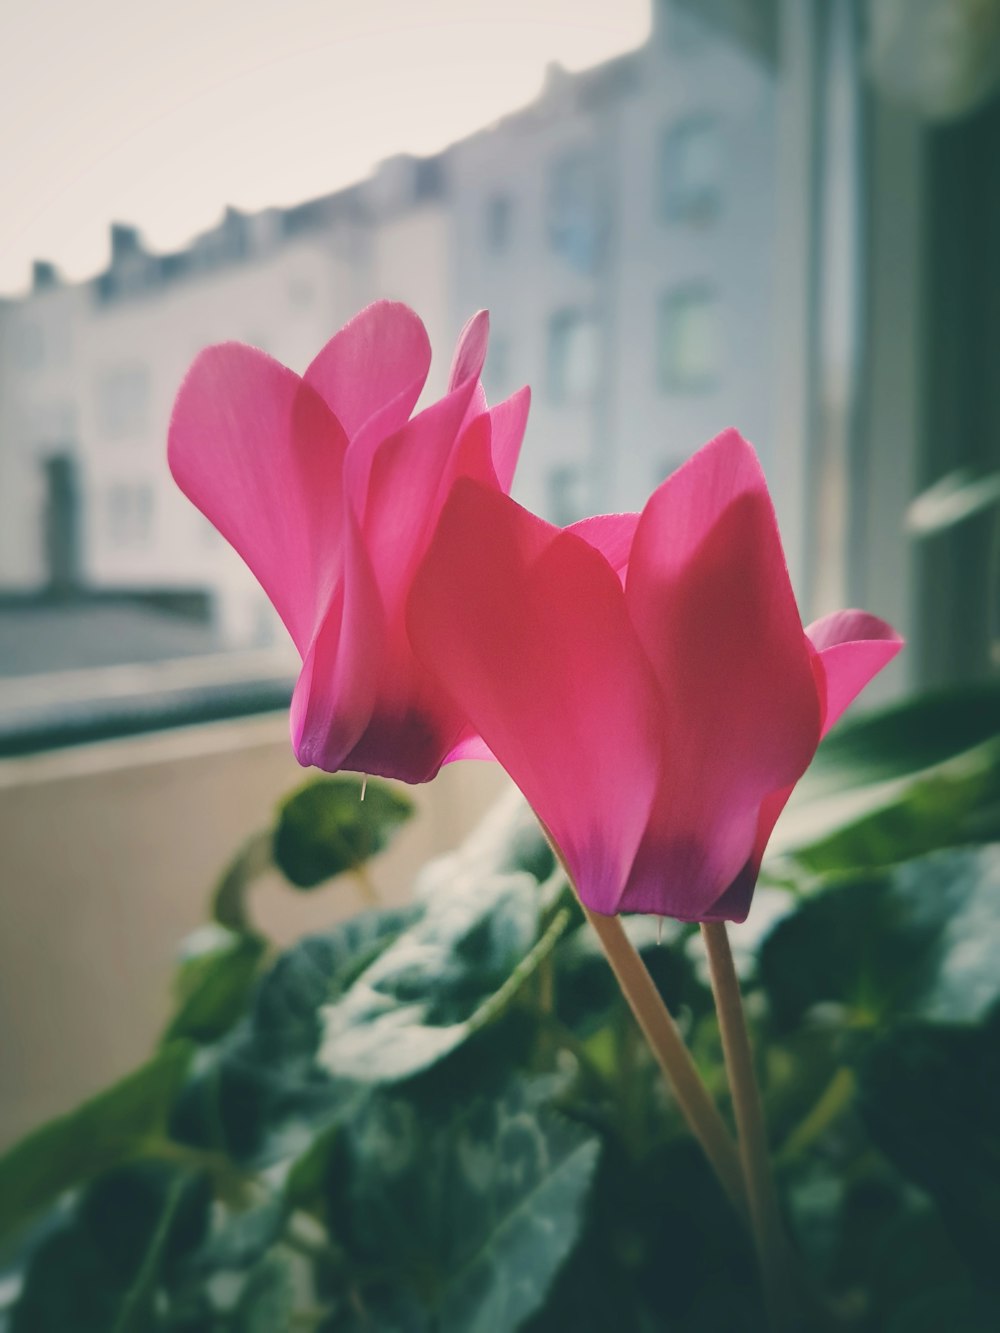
[330, 492]
[656, 716]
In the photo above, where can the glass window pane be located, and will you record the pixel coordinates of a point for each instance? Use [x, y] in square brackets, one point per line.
[689, 340]
[691, 171]
[574, 347]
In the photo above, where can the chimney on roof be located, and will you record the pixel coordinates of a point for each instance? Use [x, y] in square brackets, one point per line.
[44, 275]
[555, 76]
[125, 240]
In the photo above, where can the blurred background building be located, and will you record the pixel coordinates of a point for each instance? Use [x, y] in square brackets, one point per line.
[733, 224]
[620, 229]
[776, 214]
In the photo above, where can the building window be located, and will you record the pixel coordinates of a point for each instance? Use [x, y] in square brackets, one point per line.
[499, 218]
[130, 514]
[690, 171]
[123, 402]
[573, 357]
[688, 352]
[575, 211]
[567, 495]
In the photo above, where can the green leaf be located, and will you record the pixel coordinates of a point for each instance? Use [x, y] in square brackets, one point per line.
[868, 767]
[258, 1095]
[214, 983]
[954, 804]
[110, 1128]
[229, 899]
[240, 1239]
[586, 990]
[286, 1024]
[472, 1207]
[443, 980]
[390, 993]
[305, 1182]
[267, 1301]
[930, 1097]
[662, 1250]
[137, 1310]
[921, 940]
[104, 1267]
[951, 500]
[325, 828]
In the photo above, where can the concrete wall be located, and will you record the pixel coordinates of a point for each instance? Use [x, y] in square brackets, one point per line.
[107, 857]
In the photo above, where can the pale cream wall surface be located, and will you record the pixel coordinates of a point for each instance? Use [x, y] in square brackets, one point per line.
[107, 856]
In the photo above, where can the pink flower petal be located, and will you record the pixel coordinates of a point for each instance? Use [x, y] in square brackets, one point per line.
[853, 647]
[375, 365]
[258, 452]
[612, 535]
[362, 703]
[471, 747]
[467, 363]
[437, 427]
[410, 474]
[709, 594]
[470, 350]
[508, 421]
[526, 628]
[341, 677]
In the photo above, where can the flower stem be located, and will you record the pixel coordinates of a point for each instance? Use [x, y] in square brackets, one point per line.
[762, 1198]
[673, 1057]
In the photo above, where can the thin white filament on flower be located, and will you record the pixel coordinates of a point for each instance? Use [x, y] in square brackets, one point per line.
[364, 785]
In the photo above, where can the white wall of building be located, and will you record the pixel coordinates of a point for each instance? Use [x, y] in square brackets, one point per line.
[94, 369]
[554, 219]
[616, 256]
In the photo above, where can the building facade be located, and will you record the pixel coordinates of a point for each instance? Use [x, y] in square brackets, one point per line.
[90, 371]
[620, 232]
[619, 229]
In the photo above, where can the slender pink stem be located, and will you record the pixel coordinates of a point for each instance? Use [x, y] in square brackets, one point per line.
[665, 1041]
[765, 1218]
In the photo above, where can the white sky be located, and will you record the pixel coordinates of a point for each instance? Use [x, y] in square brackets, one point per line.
[162, 113]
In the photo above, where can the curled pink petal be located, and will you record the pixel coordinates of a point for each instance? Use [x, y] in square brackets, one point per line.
[846, 665]
[259, 453]
[338, 688]
[409, 475]
[853, 647]
[507, 424]
[443, 420]
[471, 747]
[375, 365]
[470, 350]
